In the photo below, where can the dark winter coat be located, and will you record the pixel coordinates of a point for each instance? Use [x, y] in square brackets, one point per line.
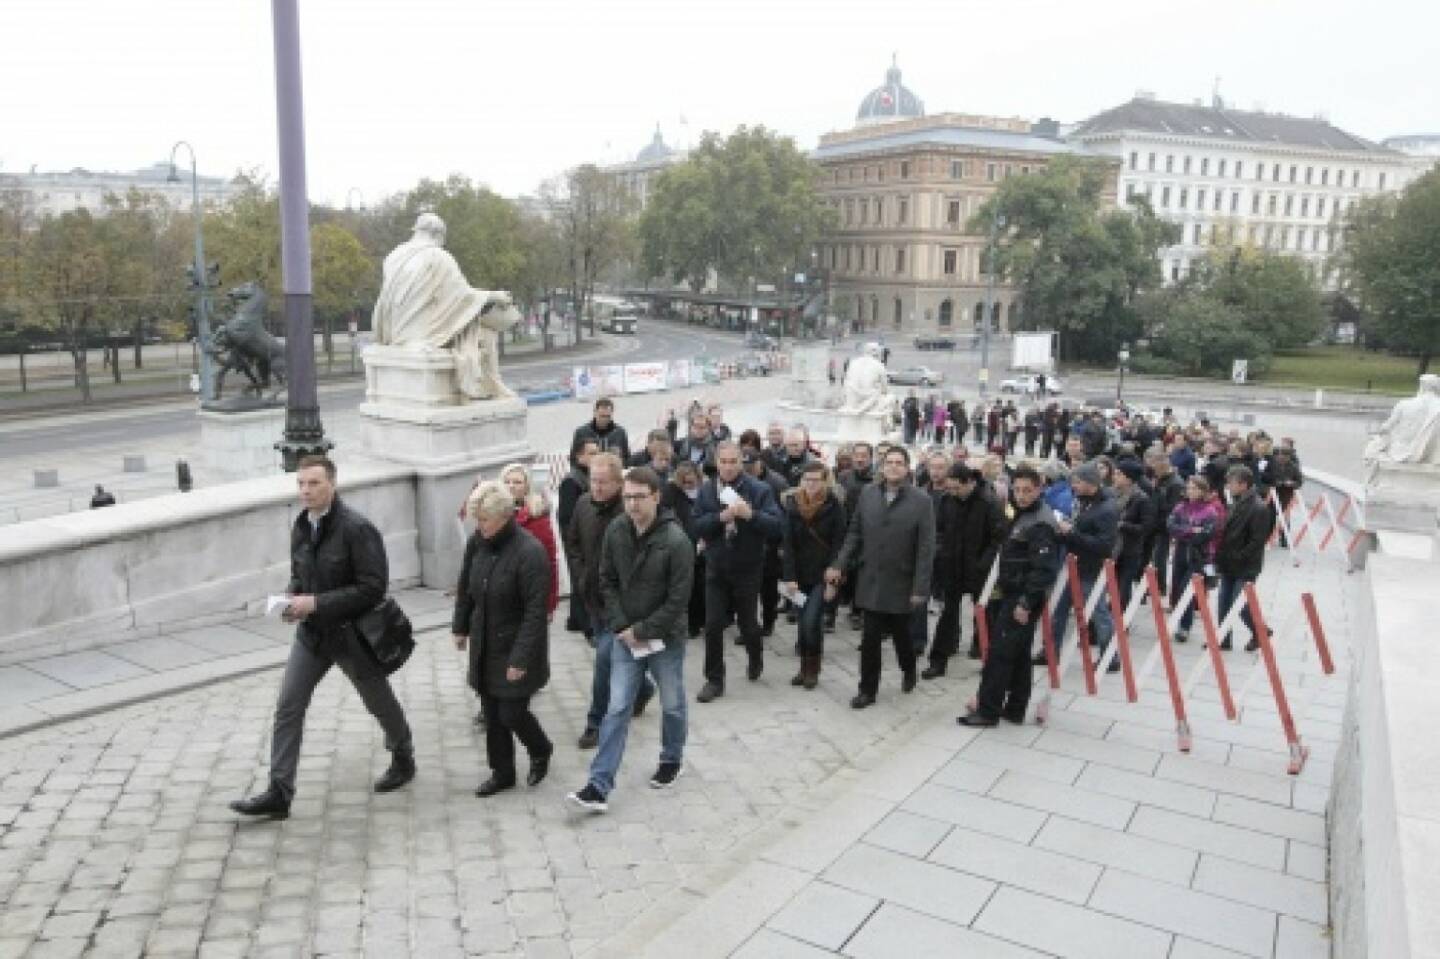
[344, 568]
[701, 454]
[741, 554]
[810, 548]
[893, 546]
[500, 603]
[1092, 538]
[971, 533]
[1028, 563]
[1242, 544]
[582, 543]
[1136, 523]
[645, 578]
[612, 439]
[1169, 491]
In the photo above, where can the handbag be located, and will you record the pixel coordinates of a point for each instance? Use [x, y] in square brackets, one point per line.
[386, 633]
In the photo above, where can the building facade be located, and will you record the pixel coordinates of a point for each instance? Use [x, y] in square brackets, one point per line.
[904, 188]
[1236, 177]
[54, 193]
[638, 174]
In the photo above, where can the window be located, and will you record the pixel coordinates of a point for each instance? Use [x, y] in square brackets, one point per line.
[1315, 240]
[1008, 171]
[1309, 174]
[1214, 233]
[1204, 166]
[875, 261]
[1284, 237]
[904, 169]
[1152, 162]
[1293, 172]
[849, 211]
[957, 169]
[1220, 168]
[1234, 201]
[1187, 165]
[1304, 206]
[1300, 239]
[847, 258]
[1165, 198]
[1271, 205]
[902, 211]
[1129, 192]
[880, 174]
[864, 211]
[897, 312]
[949, 262]
[1239, 169]
[1184, 197]
[1324, 176]
[879, 211]
[1276, 175]
[1289, 205]
[947, 312]
[1134, 160]
[900, 260]
[1200, 199]
[1024, 170]
[1259, 171]
[1269, 235]
[1354, 178]
[1382, 181]
[1320, 206]
[1219, 195]
[1175, 271]
[990, 172]
[1255, 202]
[1195, 235]
[1169, 163]
[952, 213]
[979, 315]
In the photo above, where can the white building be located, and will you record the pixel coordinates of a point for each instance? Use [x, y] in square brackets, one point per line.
[650, 162]
[54, 193]
[1243, 177]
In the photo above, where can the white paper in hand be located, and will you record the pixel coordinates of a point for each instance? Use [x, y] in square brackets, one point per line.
[276, 605]
[728, 496]
[794, 595]
[647, 648]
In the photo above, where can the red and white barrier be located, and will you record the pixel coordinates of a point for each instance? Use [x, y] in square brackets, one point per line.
[1167, 656]
[1298, 751]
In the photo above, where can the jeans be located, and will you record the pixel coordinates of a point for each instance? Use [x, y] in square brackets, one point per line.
[600, 684]
[303, 672]
[1101, 624]
[1006, 678]
[877, 627]
[1232, 588]
[626, 673]
[735, 594]
[507, 720]
[811, 622]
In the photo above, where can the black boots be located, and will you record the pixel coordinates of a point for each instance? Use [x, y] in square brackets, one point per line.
[401, 771]
[271, 802]
[809, 674]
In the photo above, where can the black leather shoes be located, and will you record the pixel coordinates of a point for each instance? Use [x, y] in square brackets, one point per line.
[755, 666]
[710, 691]
[907, 685]
[861, 700]
[270, 803]
[539, 766]
[589, 739]
[401, 771]
[977, 720]
[494, 785]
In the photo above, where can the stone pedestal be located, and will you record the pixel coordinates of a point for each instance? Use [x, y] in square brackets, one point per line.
[1403, 497]
[415, 414]
[240, 445]
[833, 426]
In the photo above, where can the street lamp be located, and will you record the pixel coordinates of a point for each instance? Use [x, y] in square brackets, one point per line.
[997, 223]
[202, 278]
[1120, 383]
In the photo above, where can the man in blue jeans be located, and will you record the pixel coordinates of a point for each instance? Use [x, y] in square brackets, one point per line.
[1090, 536]
[646, 563]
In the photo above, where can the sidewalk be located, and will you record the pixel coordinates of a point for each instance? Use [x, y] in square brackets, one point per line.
[1091, 836]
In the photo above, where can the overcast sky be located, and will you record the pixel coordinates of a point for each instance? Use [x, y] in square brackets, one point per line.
[510, 92]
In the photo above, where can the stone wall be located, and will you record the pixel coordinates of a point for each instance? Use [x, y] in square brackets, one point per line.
[85, 579]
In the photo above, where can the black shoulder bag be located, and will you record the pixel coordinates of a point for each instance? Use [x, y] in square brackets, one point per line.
[386, 632]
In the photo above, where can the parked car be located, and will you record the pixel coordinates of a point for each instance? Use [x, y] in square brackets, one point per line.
[916, 376]
[753, 364]
[621, 320]
[755, 340]
[934, 342]
[1030, 384]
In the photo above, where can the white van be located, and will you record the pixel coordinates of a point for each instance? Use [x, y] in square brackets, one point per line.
[622, 319]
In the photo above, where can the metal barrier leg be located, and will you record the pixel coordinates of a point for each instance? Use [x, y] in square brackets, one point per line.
[1082, 629]
[1298, 750]
[1167, 656]
[1316, 630]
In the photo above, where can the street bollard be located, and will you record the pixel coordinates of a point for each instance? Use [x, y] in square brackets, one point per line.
[182, 476]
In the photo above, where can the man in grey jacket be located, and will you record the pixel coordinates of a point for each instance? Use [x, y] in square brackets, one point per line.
[893, 539]
[645, 567]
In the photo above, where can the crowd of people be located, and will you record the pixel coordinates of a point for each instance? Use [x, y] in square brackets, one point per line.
[698, 530]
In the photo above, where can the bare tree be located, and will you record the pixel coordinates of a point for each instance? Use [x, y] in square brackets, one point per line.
[595, 216]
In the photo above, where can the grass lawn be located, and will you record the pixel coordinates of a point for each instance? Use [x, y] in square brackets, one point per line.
[1343, 368]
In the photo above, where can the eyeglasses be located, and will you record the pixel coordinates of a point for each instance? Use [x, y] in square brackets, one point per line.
[635, 497]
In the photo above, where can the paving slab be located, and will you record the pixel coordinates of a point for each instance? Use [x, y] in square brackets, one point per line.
[87, 670]
[24, 685]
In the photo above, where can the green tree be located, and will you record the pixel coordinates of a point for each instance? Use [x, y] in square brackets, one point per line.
[594, 215]
[344, 277]
[1276, 294]
[243, 236]
[1079, 267]
[745, 206]
[1201, 333]
[482, 229]
[1391, 258]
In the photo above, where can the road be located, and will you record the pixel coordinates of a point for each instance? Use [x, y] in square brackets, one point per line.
[88, 430]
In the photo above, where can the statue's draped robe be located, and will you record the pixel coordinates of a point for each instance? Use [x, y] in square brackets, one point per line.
[1411, 434]
[426, 302]
[866, 388]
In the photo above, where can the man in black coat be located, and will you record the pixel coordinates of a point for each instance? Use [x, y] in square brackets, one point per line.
[501, 614]
[754, 464]
[1090, 536]
[1241, 555]
[736, 516]
[698, 447]
[1169, 490]
[852, 483]
[1027, 570]
[1137, 521]
[338, 572]
[608, 435]
[892, 541]
[972, 527]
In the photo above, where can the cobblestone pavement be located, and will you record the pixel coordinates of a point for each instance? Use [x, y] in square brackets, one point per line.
[115, 839]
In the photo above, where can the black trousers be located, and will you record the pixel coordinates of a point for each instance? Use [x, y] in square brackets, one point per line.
[877, 627]
[948, 629]
[726, 596]
[696, 610]
[770, 588]
[507, 720]
[1005, 680]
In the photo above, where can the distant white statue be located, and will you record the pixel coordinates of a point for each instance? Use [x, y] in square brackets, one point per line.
[1412, 433]
[426, 304]
[867, 386]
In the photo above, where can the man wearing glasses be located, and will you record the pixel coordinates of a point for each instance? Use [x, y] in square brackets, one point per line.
[646, 562]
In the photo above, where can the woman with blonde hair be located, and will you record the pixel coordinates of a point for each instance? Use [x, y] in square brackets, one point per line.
[532, 514]
[500, 615]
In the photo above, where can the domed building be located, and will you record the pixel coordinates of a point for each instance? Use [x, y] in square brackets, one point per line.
[888, 102]
[652, 158]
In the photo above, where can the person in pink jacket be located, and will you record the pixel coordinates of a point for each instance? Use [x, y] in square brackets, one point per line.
[1195, 526]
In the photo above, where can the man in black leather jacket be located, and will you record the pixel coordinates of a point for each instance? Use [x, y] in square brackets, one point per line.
[338, 572]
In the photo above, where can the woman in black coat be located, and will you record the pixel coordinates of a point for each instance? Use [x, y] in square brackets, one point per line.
[501, 613]
[814, 533]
